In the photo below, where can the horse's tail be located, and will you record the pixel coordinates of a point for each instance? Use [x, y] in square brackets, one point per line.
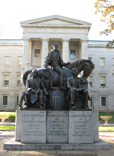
[25, 76]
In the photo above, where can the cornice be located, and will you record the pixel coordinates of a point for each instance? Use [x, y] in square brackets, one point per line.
[54, 26]
[45, 39]
[10, 43]
[65, 39]
[58, 17]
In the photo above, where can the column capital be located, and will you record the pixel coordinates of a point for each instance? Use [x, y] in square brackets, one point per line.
[84, 41]
[45, 39]
[26, 39]
[65, 39]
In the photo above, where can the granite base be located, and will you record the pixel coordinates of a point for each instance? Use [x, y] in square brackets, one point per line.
[34, 126]
[15, 145]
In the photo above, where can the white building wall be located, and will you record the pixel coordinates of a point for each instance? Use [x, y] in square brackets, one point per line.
[12, 48]
[97, 50]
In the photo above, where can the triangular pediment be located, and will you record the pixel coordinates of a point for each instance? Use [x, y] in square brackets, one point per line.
[55, 20]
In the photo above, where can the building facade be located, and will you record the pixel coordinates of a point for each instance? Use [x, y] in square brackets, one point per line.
[17, 56]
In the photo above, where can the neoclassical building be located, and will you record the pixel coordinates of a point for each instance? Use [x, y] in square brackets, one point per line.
[17, 56]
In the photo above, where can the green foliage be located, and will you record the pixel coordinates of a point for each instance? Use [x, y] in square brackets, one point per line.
[11, 117]
[106, 114]
[6, 128]
[110, 44]
[106, 129]
[106, 8]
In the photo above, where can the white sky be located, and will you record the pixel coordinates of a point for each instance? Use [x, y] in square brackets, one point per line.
[12, 12]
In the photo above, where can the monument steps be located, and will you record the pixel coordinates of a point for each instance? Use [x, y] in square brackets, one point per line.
[15, 145]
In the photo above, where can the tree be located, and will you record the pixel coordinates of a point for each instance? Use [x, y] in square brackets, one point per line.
[106, 8]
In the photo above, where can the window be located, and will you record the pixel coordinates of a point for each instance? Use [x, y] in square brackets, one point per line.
[72, 54]
[18, 79]
[102, 61]
[90, 58]
[6, 80]
[90, 80]
[103, 101]
[20, 60]
[103, 80]
[7, 59]
[17, 99]
[5, 100]
[37, 53]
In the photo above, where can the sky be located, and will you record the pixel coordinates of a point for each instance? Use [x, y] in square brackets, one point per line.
[12, 12]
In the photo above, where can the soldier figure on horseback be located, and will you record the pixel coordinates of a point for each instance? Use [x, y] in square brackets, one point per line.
[57, 76]
[54, 60]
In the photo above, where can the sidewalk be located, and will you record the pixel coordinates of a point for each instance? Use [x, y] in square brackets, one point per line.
[8, 123]
[106, 136]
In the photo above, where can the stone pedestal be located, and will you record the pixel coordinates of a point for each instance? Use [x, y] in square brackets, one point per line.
[18, 126]
[56, 130]
[34, 126]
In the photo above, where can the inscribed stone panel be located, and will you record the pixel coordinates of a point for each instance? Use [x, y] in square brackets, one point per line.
[33, 127]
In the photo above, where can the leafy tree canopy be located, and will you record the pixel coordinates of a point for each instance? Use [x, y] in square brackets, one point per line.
[106, 8]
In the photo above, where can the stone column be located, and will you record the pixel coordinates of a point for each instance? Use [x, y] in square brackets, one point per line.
[30, 53]
[65, 49]
[84, 52]
[25, 58]
[44, 51]
[25, 54]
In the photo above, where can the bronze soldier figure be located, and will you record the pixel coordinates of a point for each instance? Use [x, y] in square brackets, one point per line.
[54, 60]
[73, 83]
[34, 91]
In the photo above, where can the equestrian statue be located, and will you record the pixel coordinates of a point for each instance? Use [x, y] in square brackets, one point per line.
[54, 83]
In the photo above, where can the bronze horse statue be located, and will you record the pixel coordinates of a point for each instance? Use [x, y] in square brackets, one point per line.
[81, 65]
[51, 78]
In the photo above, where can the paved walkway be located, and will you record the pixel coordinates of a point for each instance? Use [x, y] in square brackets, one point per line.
[106, 136]
[8, 123]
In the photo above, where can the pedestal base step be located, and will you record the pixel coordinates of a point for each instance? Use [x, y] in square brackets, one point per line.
[14, 145]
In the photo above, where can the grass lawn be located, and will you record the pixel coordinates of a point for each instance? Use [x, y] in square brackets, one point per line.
[7, 128]
[7, 113]
[106, 114]
[106, 129]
